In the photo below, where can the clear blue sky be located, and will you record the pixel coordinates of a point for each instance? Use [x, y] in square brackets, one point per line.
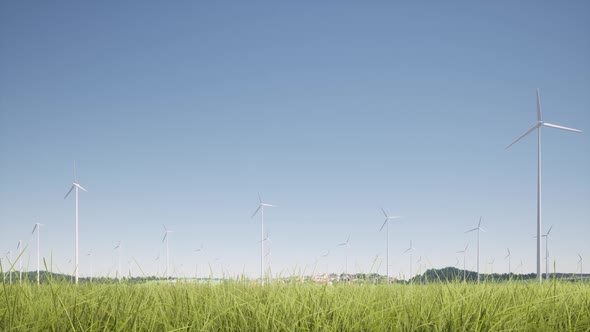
[179, 113]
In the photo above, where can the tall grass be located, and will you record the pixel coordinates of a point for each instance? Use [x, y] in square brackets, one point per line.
[241, 306]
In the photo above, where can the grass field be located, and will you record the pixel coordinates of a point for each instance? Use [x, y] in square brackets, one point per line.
[237, 306]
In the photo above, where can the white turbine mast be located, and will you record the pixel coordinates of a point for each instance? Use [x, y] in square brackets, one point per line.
[37, 228]
[540, 123]
[76, 186]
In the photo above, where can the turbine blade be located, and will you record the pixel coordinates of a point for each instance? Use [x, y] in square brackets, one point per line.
[66, 196]
[561, 127]
[259, 198]
[255, 212]
[394, 217]
[165, 235]
[34, 228]
[471, 230]
[523, 135]
[539, 115]
[386, 220]
[79, 186]
[479, 223]
[549, 231]
[268, 205]
[384, 213]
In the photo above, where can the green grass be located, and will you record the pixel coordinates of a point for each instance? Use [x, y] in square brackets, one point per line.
[237, 306]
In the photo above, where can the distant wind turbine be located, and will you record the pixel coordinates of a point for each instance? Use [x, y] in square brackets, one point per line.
[20, 262]
[165, 238]
[538, 126]
[492, 264]
[464, 252]
[198, 250]
[478, 228]
[37, 228]
[76, 186]
[580, 262]
[260, 208]
[346, 245]
[547, 238]
[117, 248]
[509, 258]
[386, 222]
[10, 263]
[410, 249]
[89, 254]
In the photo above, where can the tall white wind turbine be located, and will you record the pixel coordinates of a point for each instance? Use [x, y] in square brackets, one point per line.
[346, 245]
[464, 252]
[409, 250]
[478, 228]
[386, 222]
[538, 126]
[260, 208]
[547, 238]
[76, 186]
[165, 238]
[509, 258]
[37, 228]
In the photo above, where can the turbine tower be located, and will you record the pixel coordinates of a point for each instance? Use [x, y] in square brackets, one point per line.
[76, 186]
[538, 126]
[386, 222]
[37, 228]
[478, 228]
[260, 208]
[165, 238]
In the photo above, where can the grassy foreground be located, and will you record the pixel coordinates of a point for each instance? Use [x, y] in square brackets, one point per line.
[235, 306]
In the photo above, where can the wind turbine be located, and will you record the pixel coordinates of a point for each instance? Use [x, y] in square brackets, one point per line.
[37, 228]
[165, 238]
[478, 228]
[117, 248]
[580, 262]
[260, 208]
[89, 254]
[10, 263]
[20, 262]
[199, 250]
[76, 186]
[509, 258]
[346, 245]
[386, 222]
[464, 252]
[492, 264]
[538, 126]
[547, 238]
[410, 249]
